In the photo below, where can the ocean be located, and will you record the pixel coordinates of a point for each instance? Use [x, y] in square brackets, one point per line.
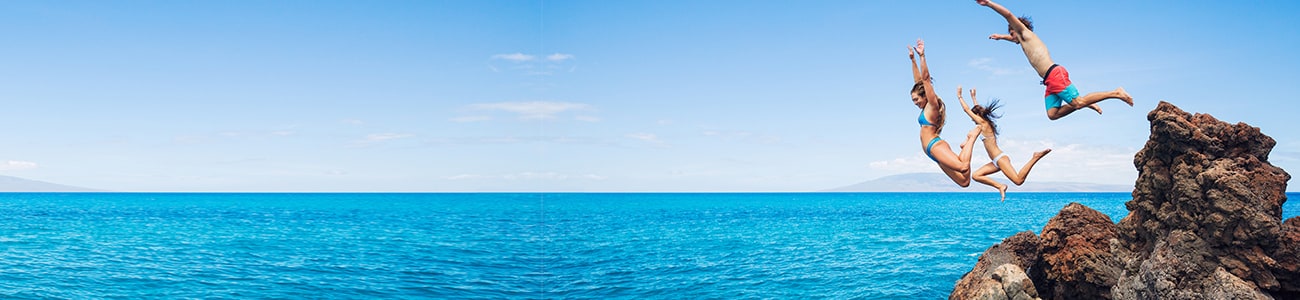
[510, 245]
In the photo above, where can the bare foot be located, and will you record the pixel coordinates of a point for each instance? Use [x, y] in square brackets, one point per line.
[1123, 95]
[1003, 190]
[1095, 107]
[1040, 154]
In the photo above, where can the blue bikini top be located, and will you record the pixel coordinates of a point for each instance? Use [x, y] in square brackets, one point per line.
[921, 119]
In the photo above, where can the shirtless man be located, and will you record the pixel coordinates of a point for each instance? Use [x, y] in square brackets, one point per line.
[1061, 98]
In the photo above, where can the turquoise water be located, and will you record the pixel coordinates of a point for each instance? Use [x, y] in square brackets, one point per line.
[522, 246]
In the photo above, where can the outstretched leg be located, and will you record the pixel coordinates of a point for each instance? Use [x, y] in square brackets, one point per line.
[1092, 98]
[1089, 101]
[982, 176]
[1019, 177]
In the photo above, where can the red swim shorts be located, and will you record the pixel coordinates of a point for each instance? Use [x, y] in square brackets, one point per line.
[1057, 79]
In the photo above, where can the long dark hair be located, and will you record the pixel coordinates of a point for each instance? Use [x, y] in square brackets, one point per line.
[986, 113]
[919, 89]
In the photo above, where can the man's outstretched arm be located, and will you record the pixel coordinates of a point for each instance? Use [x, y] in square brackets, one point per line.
[1006, 13]
[1005, 37]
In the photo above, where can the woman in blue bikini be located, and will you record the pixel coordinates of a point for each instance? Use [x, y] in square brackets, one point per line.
[956, 166]
[983, 117]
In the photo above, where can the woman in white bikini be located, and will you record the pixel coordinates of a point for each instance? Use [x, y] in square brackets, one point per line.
[983, 117]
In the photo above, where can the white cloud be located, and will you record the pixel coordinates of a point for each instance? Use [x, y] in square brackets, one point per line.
[532, 64]
[222, 136]
[377, 137]
[464, 177]
[916, 163]
[742, 136]
[353, 122]
[382, 137]
[592, 119]
[17, 165]
[529, 176]
[515, 57]
[534, 110]
[467, 119]
[535, 176]
[986, 64]
[646, 137]
[558, 57]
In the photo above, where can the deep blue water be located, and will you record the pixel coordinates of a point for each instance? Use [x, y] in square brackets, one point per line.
[502, 245]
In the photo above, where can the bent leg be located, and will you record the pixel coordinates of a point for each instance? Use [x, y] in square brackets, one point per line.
[1059, 112]
[960, 178]
[956, 166]
[957, 162]
[949, 160]
[982, 176]
[1018, 177]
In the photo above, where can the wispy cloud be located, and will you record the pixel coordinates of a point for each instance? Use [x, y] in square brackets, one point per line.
[555, 176]
[533, 65]
[231, 135]
[986, 64]
[533, 110]
[380, 137]
[467, 119]
[464, 177]
[515, 57]
[911, 164]
[646, 137]
[742, 136]
[558, 57]
[17, 165]
[353, 121]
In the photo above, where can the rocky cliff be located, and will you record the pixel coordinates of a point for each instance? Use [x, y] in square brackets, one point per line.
[1205, 222]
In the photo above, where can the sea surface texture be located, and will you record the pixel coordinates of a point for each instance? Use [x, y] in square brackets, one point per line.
[511, 246]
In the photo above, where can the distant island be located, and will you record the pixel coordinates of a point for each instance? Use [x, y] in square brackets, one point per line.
[15, 184]
[938, 182]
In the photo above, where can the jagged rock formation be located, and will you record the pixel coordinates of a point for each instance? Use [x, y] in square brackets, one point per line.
[1205, 222]
[999, 273]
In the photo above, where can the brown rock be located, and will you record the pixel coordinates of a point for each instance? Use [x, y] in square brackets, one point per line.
[1019, 251]
[1077, 262]
[1179, 268]
[1205, 222]
[1211, 183]
[1288, 260]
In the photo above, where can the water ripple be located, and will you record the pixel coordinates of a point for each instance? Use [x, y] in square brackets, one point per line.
[512, 246]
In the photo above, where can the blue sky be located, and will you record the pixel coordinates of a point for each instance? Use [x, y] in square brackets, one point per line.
[597, 95]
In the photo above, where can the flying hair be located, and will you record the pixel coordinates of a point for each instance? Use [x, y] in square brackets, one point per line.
[986, 113]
